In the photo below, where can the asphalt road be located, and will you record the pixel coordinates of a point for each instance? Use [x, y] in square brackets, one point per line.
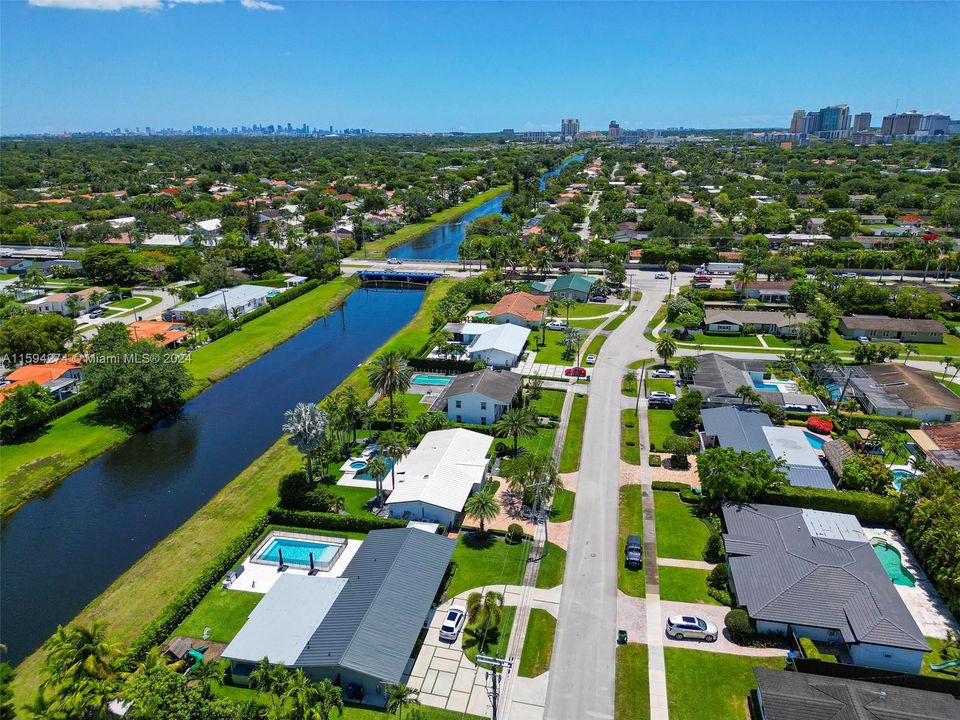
[583, 667]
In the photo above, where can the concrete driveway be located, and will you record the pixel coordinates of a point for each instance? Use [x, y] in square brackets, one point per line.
[715, 614]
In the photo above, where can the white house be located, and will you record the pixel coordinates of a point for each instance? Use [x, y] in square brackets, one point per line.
[478, 397]
[434, 481]
[235, 301]
[499, 347]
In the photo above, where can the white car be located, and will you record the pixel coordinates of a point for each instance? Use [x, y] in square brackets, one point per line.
[394, 261]
[453, 623]
[692, 627]
[556, 324]
[851, 275]
[663, 374]
[591, 359]
[661, 276]
[661, 395]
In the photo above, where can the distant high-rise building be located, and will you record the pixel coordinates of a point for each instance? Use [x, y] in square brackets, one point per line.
[906, 123]
[811, 123]
[835, 120]
[861, 121]
[796, 122]
[507, 131]
[936, 124]
[614, 130]
[569, 127]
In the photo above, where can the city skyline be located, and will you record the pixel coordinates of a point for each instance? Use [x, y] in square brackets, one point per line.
[177, 64]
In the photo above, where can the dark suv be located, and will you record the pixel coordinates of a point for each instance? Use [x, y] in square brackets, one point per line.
[633, 552]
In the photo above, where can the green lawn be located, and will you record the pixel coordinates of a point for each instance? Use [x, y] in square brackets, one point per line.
[934, 658]
[9, 276]
[586, 310]
[680, 533]
[552, 567]
[697, 679]
[573, 442]
[633, 687]
[538, 643]
[619, 319]
[495, 641]
[551, 352]
[661, 425]
[486, 560]
[550, 403]
[355, 499]
[223, 611]
[588, 324]
[699, 338]
[684, 584]
[562, 509]
[594, 347]
[630, 581]
[128, 303]
[541, 442]
[629, 440]
[379, 248]
[662, 385]
[412, 406]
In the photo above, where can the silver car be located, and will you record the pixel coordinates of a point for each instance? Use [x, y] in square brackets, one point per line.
[688, 626]
[453, 623]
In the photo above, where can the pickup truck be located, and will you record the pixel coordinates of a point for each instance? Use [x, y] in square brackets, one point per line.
[633, 552]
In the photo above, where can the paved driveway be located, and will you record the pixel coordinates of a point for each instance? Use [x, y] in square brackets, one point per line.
[715, 614]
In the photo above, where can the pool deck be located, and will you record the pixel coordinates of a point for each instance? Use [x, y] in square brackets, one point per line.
[260, 578]
[923, 600]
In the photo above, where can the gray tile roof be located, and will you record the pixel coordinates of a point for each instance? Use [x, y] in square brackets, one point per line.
[718, 376]
[802, 696]
[374, 623]
[793, 566]
[499, 386]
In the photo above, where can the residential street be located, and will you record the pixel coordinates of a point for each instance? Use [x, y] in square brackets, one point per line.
[583, 667]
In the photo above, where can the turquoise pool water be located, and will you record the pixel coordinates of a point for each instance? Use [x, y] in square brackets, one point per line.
[761, 385]
[483, 314]
[899, 476]
[816, 442]
[297, 552]
[365, 474]
[430, 380]
[893, 565]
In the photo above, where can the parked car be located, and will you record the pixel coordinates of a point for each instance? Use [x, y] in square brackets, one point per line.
[167, 316]
[591, 359]
[556, 324]
[394, 261]
[851, 275]
[661, 276]
[863, 340]
[702, 285]
[453, 623]
[689, 626]
[575, 372]
[599, 298]
[96, 312]
[661, 395]
[663, 374]
[633, 551]
[702, 278]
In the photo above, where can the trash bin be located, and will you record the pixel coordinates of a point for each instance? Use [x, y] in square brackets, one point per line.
[621, 637]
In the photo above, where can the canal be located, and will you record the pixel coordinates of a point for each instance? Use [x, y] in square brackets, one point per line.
[59, 552]
[443, 242]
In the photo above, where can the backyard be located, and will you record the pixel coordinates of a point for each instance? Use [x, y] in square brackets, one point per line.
[631, 582]
[538, 643]
[223, 611]
[680, 533]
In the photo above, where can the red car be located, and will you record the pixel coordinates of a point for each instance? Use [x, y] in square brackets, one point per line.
[702, 278]
[575, 372]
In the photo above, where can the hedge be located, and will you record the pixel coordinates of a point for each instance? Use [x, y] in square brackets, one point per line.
[331, 521]
[868, 508]
[686, 492]
[654, 460]
[254, 314]
[294, 292]
[811, 652]
[426, 364]
[176, 611]
[222, 328]
[901, 423]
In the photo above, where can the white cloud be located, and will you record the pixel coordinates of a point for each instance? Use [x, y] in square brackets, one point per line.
[260, 5]
[112, 5]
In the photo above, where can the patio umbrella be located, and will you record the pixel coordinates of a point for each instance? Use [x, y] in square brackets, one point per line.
[311, 562]
[280, 553]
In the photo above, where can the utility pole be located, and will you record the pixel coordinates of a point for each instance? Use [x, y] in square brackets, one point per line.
[641, 381]
[494, 664]
[537, 509]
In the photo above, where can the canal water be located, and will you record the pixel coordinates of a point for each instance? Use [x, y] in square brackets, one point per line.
[443, 242]
[59, 552]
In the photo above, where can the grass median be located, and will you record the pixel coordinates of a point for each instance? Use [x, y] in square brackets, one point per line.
[573, 442]
[538, 643]
[629, 439]
[633, 688]
[630, 581]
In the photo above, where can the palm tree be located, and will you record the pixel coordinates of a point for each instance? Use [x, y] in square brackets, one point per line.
[885, 436]
[929, 250]
[745, 393]
[910, 350]
[484, 611]
[482, 506]
[377, 469]
[151, 661]
[307, 427]
[74, 305]
[566, 304]
[299, 694]
[389, 374]
[516, 423]
[394, 446]
[400, 696]
[666, 348]
[80, 653]
[327, 697]
[672, 267]
[905, 254]
[688, 366]
[544, 264]
[271, 680]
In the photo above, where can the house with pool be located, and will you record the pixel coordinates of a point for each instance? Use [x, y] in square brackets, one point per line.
[435, 479]
[900, 390]
[814, 574]
[753, 431]
[519, 308]
[358, 629]
[479, 397]
[717, 378]
[499, 346]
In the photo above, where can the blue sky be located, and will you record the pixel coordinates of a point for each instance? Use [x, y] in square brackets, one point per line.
[478, 66]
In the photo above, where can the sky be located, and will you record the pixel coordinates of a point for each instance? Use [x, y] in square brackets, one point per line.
[71, 65]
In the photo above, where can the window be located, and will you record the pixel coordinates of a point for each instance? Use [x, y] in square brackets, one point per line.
[459, 418]
[458, 404]
[483, 406]
[483, 420]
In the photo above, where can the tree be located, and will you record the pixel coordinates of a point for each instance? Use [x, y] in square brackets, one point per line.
[866, 473]
[666, 348]
[615, 273]
[914, 302]
[7, 675]
[33, 334]
[400, 696]
[567, 303]
[389, 374]
[79, 664]
[688, 366]
[484, 612]
[110, 265]
[680, 447]
[394, 446]
[910, 350]
[841, 224]
[74, 306]
[747, 394]
[687, 409]
[24, 409]
[377, 469]
[306, 424]
[516, 423]
[527, 470]
[729, 475]
[875, 353]
[673, 267]
[111, 337]
[326, 698]
[261, 258]
[135, 384]
[482, 506]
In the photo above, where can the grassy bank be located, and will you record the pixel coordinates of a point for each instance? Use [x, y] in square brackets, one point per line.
[141, 592]
[71, 441]
[379, 248]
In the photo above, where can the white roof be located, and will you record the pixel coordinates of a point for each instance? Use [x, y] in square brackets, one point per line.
[472, 328]
[210, 225]
[442, 469]
[833, 526]
[122, 221]
[167, 239]
[283, 622]
[507, 338]
[791, 444]
[237, 296]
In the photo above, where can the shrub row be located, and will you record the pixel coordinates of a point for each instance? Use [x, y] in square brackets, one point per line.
[331, 521]
[686, 492]
[176, 611]
[426, 364]
[228, 326]
[221, 329]
[868, 508]
[811, 652]
[254, 314]
[901, 423]
[294, 292]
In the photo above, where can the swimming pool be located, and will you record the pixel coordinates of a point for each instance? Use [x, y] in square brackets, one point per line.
[364, 473]
[296, 551]
[816, 443]
[420, 379]
[760, 385]
[834, 390]
[482, 315]
[899, 476]
[892, 563]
